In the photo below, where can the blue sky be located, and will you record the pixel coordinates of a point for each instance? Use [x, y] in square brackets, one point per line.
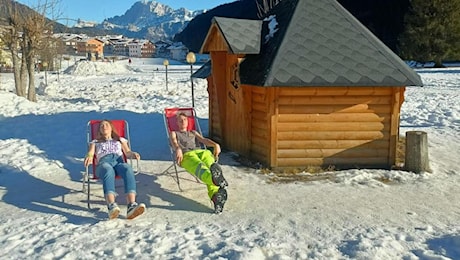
[98, 10]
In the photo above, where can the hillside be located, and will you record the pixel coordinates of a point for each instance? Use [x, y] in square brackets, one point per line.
[373, 14]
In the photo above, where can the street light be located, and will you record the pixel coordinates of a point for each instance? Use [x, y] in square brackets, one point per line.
[191, 59]
[166, 63]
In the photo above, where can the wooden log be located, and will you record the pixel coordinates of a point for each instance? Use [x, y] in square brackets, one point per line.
[334, 135]
[302, 162]
[332, 126]
[256, 114]
[259, 97]
[416, 157]
[257, 89]
[334, 117]
[259, 135]
[336, 91]
[323, 153]
[331, 108]
[260, 129]
[338, 100]
[259, 150]
[332, 144]
[260, 107]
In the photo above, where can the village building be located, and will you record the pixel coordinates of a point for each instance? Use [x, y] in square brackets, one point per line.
[69, 41]
[92, 48]
[178, 51]
[161, 49]
[141, 49]
[120, 47]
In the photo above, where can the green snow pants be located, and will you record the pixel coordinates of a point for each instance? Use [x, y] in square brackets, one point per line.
[197, 163]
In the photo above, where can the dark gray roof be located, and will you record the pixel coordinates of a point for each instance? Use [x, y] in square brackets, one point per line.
[242, 36]
[203, 72]
[318, 43]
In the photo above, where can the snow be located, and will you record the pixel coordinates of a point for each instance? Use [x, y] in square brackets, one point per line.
[349, 214]
[272, 24]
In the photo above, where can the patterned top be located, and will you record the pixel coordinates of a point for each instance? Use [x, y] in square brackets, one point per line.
[187, 141]
[104, 148]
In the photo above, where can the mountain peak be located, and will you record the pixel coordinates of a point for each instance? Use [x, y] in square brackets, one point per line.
[150, 20]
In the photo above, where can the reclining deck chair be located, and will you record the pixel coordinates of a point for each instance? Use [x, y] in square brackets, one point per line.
[122, 128]
[171, 125]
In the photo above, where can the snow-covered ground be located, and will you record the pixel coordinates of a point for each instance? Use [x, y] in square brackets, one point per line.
[43, 213]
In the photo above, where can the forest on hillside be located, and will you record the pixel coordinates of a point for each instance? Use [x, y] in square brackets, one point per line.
[422, 30]
[384, 18]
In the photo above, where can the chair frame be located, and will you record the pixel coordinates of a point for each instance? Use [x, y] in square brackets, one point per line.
[169, 117]
[90, 135]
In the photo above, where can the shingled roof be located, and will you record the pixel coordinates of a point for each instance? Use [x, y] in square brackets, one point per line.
[314, 43]
[242, 36]
[203, 72]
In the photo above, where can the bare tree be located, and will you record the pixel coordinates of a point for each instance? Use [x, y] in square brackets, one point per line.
[35, 27]
[12, 39]
[264, 6]
[24, 36]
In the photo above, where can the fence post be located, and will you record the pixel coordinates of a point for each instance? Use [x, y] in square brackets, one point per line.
[416, 155]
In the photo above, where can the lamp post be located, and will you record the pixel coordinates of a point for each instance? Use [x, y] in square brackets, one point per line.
[191, 59]
[166, 63]
[45, 65]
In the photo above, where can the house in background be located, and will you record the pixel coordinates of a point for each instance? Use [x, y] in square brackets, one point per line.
[109, 41]
[307, 86]
[178, 51]
[141, 49]
[92, 48]
[161, 49]
[121, 48]
[70, 41]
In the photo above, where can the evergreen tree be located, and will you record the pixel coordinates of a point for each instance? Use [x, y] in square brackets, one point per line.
[432, 31]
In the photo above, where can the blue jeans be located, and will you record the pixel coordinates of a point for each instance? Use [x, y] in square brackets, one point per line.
[113, 165]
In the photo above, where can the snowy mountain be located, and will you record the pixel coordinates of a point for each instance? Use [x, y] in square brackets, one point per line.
[149, 20]
[85, 24]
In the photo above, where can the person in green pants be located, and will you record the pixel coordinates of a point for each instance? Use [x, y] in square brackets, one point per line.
[200, 162]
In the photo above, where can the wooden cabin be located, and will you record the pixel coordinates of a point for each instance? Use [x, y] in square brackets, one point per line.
[308, 85]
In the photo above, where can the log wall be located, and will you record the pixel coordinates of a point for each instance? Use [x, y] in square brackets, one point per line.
[303, 126]
[260, 125]
[341, 126]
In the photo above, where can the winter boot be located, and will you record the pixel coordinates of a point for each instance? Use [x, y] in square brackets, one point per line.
[217, 176]
[219, 200]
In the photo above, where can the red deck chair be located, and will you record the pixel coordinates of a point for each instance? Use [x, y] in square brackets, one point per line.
[122, 129]
[171, 125]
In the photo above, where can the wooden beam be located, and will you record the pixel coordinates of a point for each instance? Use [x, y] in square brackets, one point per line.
[334, 108]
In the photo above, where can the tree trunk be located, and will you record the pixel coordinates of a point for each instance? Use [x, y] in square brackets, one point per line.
[416, 158]
[23, 75]
[31, 93]
[17, 73]
[438, 63]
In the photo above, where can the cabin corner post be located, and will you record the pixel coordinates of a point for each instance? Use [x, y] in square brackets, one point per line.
[273, 127]
[397, 99]
[211, 93]
[247, 116]
[218, 61]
